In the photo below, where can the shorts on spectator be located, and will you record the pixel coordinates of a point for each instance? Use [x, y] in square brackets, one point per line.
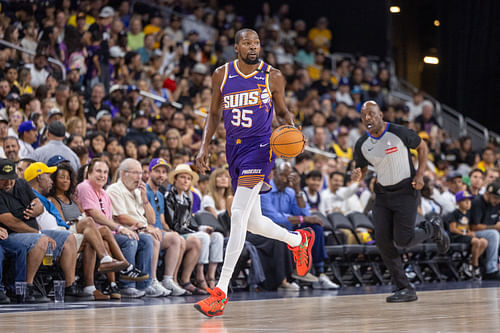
[29, 239]
[60, 236]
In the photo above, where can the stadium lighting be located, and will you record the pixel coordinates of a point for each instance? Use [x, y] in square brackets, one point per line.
[395, 9]
[437, 23]
[431, 60]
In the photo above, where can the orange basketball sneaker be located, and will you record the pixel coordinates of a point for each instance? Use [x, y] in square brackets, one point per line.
[213, 305]
[302, 253]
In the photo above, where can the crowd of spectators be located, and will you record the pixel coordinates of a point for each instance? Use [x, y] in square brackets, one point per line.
[98, 155]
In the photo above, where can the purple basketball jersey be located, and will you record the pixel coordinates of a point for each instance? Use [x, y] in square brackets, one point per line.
[246, 101]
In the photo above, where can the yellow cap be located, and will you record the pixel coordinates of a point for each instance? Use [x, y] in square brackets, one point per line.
[36, 169]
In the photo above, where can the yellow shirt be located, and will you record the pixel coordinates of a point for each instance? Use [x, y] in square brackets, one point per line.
[320, 38]
[347, 154]
[483, 166]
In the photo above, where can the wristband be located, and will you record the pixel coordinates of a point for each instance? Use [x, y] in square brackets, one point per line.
[301, 220]
[117, 229]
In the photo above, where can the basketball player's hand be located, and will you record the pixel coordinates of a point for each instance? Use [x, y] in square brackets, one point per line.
[202, 164]
[356, 175]
[418, 182]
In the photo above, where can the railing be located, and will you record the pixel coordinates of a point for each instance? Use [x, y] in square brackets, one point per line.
[50, 59]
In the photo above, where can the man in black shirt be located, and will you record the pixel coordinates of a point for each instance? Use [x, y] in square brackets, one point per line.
[485, 222]
[18, 218]
[19, 208]
[386, 147]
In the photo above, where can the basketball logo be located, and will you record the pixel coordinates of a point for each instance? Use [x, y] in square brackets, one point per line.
[264, 96]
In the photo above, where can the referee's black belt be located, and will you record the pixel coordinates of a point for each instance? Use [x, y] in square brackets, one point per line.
[405, 184]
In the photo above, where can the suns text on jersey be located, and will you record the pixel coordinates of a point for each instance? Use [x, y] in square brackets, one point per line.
[241, 99]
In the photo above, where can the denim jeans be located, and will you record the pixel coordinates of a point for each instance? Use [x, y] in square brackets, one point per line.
[491, 253]
[138, 253]
[18, 251]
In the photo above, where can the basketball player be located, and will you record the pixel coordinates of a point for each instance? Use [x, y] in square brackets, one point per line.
[245, 91]
[386, 147]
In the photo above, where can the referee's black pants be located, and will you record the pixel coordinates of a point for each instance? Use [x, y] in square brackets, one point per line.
[394, 215]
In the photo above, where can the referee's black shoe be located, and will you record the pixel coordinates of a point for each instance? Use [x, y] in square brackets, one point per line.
[440, 236]
[407, 294]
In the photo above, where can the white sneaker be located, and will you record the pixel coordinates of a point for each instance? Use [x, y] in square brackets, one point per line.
[158, 286]
[132, 293]
[306, 278]
[170, 285]
[152, 292]
[289, 286]
[324, 283]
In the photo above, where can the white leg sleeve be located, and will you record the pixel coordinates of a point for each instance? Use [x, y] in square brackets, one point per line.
[262, 225]
[244, 200]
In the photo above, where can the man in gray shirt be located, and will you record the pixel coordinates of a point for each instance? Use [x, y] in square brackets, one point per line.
[386, 147]
[55, 146]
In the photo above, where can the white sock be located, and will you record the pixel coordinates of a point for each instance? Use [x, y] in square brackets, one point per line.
[113, 284]
[106, 259]
[244, 199]
[262, 225]
[167, 278]
[89, 290]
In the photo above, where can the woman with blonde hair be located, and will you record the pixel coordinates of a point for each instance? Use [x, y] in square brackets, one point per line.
[174, 141]
[220, 193]
[75, 126]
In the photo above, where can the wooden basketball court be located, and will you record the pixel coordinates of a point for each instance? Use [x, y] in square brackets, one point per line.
[459, 310]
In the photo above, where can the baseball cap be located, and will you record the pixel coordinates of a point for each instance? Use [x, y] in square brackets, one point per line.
[81, 15]
[53, 112]
[356, 90]
[26, 126]
[343, 131]
[494, 188]
[138, 114]
[13, 97]
[55, 160]
[2, 119]
[57, 128]
[37, 169]
[344, 81]
[102, 113]
[452, 175]
[156, 118]
[116, 52]
[114, 88]
[200, 69]
[462, 195]
[155, 162]
[132, 87]
[7, 169]
[107, 12]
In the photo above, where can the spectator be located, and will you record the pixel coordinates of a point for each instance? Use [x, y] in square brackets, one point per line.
[476, 177]
[220, 193]
[4, 132]
[320, 35]
[461, 233]
[286, 206]
[178, 211]
[343, 93]
[11, 148]
[341, 149]
[415, 105]
[95, 104]
[135, 38]
[158, 169]
[491, 175]
[314, 181]
[447, 198]
[18, 251]
[485, 223]
[18, 212]
[55, 136]
[426, 121]
[302, 166]
[339, 198]
[96, 203]
[38, 72]
[133, 210]
[138, 132]
[28, 135]
[488, 159]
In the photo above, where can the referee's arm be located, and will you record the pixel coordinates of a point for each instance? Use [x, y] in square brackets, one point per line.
[423, 152]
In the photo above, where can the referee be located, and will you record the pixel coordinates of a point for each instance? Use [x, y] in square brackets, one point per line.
[386, 147]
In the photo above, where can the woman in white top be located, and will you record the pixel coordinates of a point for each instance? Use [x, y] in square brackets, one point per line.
[220, 193]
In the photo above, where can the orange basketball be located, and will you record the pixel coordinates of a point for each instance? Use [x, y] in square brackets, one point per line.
[287, 141]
